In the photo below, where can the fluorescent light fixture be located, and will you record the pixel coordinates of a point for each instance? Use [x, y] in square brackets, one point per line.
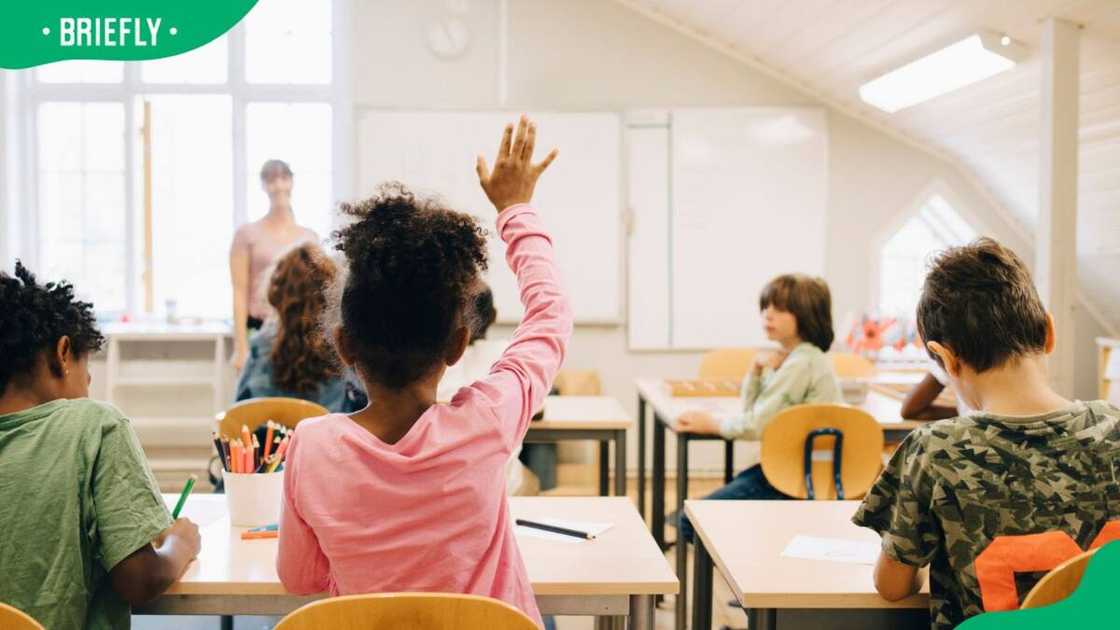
[968, 61]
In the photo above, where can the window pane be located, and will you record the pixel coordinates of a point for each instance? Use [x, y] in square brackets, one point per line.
[299, 134]
[192, 204]
[82, 206]
[905, 257]
[288, 41]
[208, 64]
[81, 71]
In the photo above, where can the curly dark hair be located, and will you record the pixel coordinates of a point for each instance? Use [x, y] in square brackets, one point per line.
[411, 265]
[301, 356]
[33, 317]
[483, 313]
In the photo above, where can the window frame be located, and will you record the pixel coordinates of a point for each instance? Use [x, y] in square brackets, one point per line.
[30, 94]
[936, 188]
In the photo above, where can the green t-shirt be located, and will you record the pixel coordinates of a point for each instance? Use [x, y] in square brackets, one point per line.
[955, 486]
[76, 498]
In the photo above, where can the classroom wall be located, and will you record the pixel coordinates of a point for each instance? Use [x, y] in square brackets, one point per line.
[597, 55]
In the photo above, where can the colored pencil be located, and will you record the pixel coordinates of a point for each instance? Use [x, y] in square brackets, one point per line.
[183, 496]
[267, 441]
[279, 456]
[249, 535]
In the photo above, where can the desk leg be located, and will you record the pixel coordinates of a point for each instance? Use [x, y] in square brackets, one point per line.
[604, 467]
[641, 612]
[701, 587]
[641, 456]
[227, 622]
[657, 501]
[728, 461]
[762, 618]
[682, 544]
[620, 463]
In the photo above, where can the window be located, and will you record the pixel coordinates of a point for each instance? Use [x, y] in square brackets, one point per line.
[81, 199]
[264, 90]
[904, 258]
[299, 134]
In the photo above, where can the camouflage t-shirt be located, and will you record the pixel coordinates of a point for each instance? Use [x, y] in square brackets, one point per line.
[954, 486]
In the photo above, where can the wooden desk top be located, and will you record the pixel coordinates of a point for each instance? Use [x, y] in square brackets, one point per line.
[885, 409]
[624, 560]
[162, 331]
[582, 413]
[746, 539]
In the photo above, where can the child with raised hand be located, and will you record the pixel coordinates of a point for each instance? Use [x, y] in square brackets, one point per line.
[86, 532]
[991, 500]
[409, 494]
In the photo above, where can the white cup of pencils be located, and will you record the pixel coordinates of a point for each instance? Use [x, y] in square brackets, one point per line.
[253, 474]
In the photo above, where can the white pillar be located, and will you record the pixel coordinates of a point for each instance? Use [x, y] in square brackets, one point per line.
[1056, 243]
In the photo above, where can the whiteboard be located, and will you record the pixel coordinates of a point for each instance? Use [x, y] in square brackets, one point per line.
[747, 193]
[578, 197]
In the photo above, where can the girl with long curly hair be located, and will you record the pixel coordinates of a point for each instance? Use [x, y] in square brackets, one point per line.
[290, 356]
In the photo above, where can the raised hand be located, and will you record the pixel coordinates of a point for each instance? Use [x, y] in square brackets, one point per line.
[514, 176]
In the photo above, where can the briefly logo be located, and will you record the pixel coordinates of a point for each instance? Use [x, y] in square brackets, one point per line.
[43, 31]
[110, 31]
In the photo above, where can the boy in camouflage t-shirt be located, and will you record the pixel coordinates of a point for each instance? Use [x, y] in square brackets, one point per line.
[992, 501]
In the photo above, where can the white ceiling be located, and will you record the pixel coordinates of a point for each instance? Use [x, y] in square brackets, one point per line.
[830, 47]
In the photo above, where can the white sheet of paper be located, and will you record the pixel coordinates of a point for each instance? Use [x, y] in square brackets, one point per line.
[596, 529]
[833, 549]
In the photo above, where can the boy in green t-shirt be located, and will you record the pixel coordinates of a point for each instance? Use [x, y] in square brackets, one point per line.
[989, 501]
[85, 531]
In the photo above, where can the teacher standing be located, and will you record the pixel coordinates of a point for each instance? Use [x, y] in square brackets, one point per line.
[255, 246]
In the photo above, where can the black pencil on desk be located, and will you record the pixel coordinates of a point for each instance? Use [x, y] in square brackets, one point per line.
[555, 530]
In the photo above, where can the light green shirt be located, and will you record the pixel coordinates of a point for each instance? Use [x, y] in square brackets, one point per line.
[806, 376]
[76, 498]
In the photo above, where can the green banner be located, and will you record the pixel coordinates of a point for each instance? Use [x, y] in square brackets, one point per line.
[35, 32]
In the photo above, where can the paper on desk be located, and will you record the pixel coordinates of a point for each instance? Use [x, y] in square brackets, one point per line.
[834, 549]
[595, 529]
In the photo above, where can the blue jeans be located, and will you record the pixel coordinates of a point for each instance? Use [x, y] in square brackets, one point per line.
[749, 485]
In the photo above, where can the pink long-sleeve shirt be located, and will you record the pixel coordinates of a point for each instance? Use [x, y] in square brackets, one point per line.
[430, 512]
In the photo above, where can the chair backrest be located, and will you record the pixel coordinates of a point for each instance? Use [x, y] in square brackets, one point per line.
[16, 619]
[727, 363]
[578, 383]
[1059, 583]
[254, 412]
[407, 611]
[849, 365]
[789, 437]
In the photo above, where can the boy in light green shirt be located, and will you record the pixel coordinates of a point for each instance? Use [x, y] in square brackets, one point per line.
[85, 531]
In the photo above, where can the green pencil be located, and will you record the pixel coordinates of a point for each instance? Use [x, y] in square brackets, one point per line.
[183, 497]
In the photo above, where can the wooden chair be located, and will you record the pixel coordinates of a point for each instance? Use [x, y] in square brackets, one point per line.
[822, 451]
[849, 365]
[15, 619]
[1059, 583]
[407, 611]
[727, 364]
[578, 383]
[256, 411]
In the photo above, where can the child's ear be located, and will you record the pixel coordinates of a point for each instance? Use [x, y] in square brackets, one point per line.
[1051, 337]
[460, 339]
[59, 360]
[949, 360]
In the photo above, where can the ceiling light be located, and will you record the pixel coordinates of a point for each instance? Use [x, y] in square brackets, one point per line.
[965, 62]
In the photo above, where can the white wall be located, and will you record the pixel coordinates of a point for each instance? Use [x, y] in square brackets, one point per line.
[598, 55]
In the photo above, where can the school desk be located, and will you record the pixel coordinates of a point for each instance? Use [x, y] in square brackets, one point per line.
[599, 418]
[654, 394]
[745, 540]
[616, 575]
